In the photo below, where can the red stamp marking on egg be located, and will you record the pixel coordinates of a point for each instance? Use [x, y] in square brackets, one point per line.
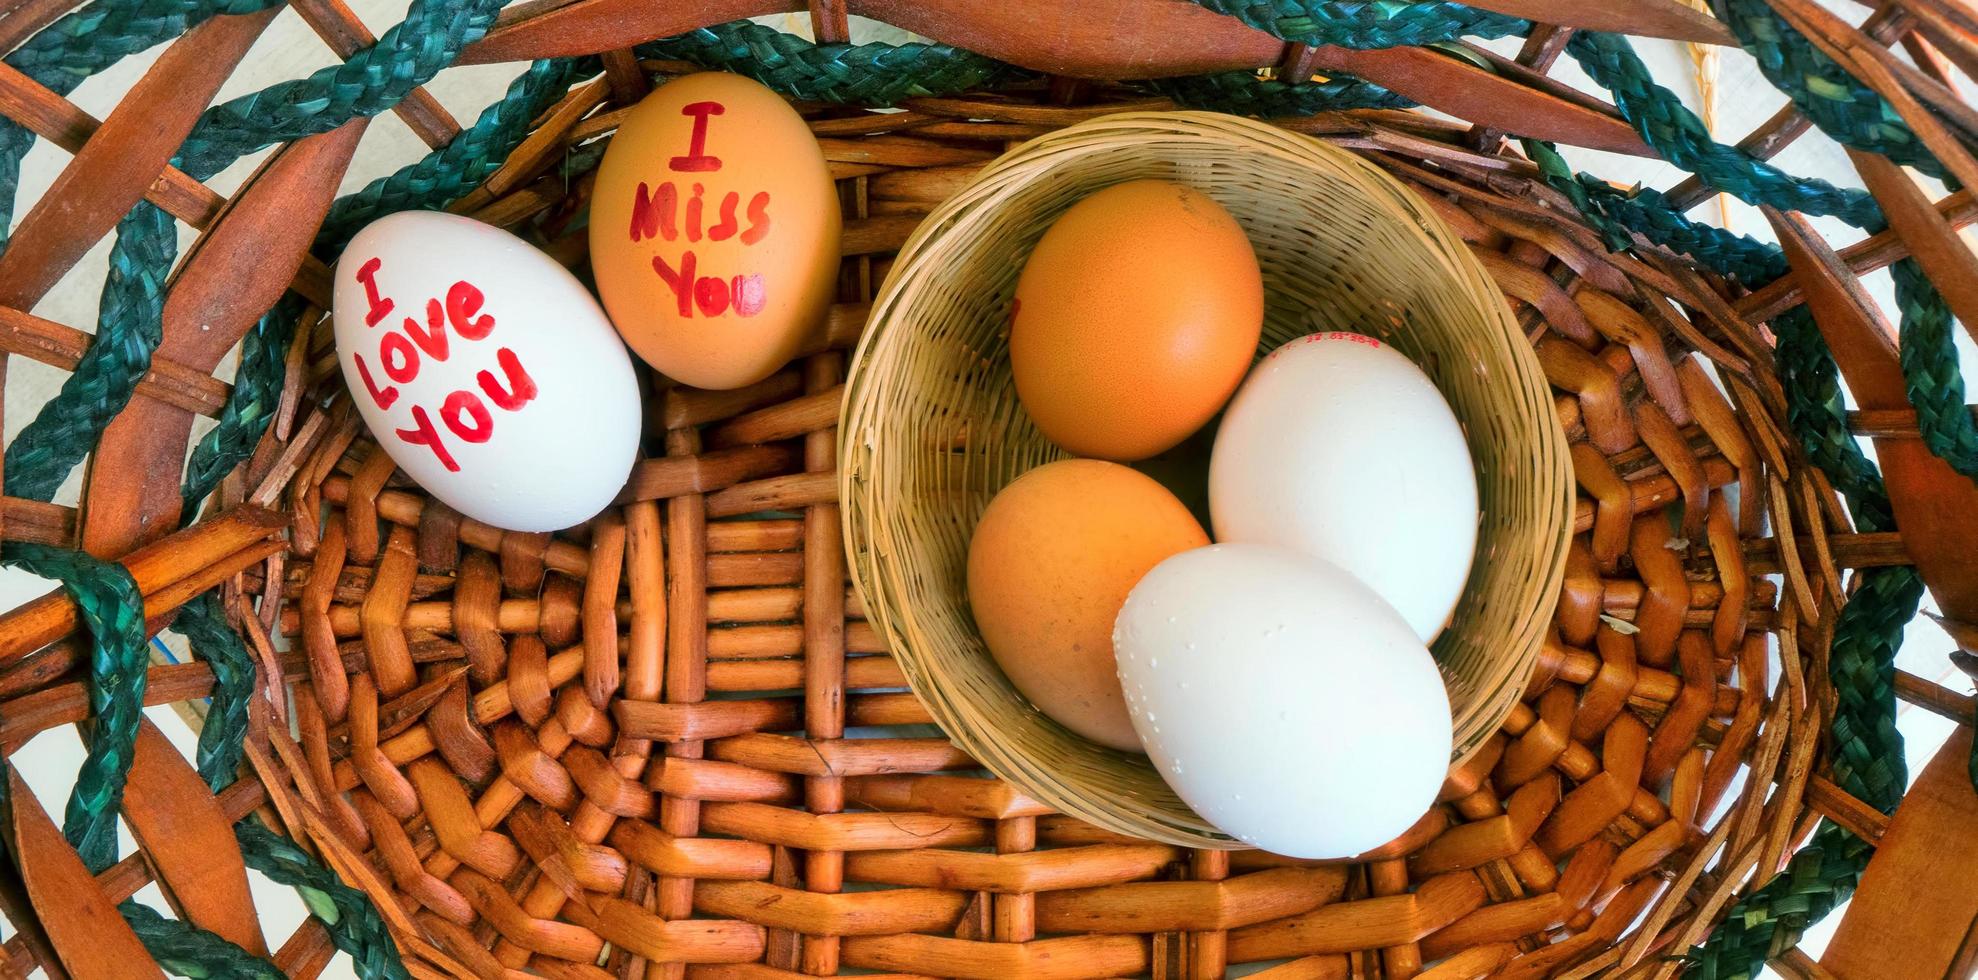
[403, 352]
[1324, 335]
[671, 212]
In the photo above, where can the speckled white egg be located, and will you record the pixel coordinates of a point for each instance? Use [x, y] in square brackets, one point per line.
[1282, 699]
[485, 370]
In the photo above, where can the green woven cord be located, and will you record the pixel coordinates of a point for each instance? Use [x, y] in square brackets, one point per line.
[369, 82]
[1618, 214]
[879, 74]
[1772, 920]
[1931, 374]
[1368, 23]
[1934, 381]
[1837, 102]
[448, 173]
[85, 41]
[1865, 746]
[1680, 137]
[186, 950]
[129, 326]
[60, 57]
[103, 32]
[353, 922]
[1856, 116]
[249, 408]
[130, 321]
[204, 625]
[112, 611]
[1929, 357]
[1245, 94]
[851, 74]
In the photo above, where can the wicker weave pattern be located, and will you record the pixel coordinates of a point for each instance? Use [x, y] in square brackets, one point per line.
[515, 808]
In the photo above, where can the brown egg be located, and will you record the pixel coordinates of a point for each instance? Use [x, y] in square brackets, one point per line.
[1049, 567]
[1136, 317]
[714, 231]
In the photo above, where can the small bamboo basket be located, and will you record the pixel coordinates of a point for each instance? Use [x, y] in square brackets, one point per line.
[932, 427]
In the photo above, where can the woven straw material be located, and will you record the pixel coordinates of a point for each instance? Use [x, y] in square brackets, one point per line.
[932, 428]
[808, 850]
[674, 742]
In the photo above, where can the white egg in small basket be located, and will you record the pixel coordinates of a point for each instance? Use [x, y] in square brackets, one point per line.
[1339, 446]
[1283, 700]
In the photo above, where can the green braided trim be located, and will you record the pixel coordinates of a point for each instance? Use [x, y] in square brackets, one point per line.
[1771, 920]
[1824, 873]
[1929, 358]
[101, 33]
[1815, 411]
[1837, 102]
[1866, 747]
[186, 950]
[1245, 94]
[1856, 116]
[369, 82]
[1862, 668]
[1368, 23]
[1617, 214]
[129, 326]
[204, 625]
[851, 74]
[1674, 132]
[1930, 372]
[130, 322]
[85, 41]
[112, 610]
[446, 174]
[250, 406]
[353, 922]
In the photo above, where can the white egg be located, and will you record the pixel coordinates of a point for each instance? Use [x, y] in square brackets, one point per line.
[1338, 446]
[486, 370]
[1283, 700]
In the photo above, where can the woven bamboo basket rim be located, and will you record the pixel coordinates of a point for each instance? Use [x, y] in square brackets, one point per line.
[894, 476]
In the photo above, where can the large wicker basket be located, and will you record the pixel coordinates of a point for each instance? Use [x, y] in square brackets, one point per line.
[670, 742]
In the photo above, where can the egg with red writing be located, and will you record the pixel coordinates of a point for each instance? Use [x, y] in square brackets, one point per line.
[485, 370]
[714, 231]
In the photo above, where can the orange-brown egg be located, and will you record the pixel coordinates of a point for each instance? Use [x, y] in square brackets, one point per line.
[1136, 317]
[714, 231]
[1049, 567]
